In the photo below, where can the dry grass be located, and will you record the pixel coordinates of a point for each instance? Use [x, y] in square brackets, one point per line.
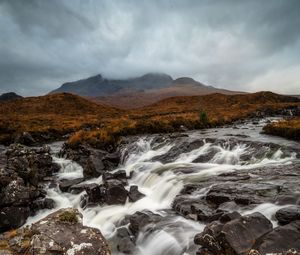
[286, 128]
[101, 125]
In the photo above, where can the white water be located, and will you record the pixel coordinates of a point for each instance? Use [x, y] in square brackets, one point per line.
[161, 183]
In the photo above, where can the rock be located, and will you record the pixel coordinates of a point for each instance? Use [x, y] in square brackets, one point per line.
[226, 217]
[288, 214]
[65, 185]
[281, 239]
[96, 193]
[134, 194]
[139, 220]
[119, 175]
[13, 217]
[44, 203]
[242, 193]
[237, 236]
[115, 192]
[61, 232]
[93, 161]
[25, 138]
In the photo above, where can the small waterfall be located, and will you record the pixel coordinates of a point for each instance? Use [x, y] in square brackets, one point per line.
[161, 182]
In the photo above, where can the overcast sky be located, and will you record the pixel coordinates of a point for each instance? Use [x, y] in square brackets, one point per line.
[234, 44]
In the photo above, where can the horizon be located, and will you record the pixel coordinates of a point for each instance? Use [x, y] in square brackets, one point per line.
[240, 46]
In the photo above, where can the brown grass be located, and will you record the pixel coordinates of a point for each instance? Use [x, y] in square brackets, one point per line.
[101, 125]
[286, 128]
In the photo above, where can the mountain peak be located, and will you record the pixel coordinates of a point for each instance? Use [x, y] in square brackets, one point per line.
[9, 96]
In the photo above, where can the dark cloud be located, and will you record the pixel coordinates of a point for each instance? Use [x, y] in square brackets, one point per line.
[234, 44]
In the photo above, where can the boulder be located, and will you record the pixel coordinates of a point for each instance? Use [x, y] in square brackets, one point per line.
[118, 175]
[96, 193]
[134, 194]
[61, 232]
[281, 239]
[115, 192]
[13, 217]
[25, 138]
[288, 214]
[65, 185]
[237, 236]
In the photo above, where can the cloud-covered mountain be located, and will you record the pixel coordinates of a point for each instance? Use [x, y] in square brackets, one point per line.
[139, 91]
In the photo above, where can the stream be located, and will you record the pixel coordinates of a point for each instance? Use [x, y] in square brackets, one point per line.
[161, 166]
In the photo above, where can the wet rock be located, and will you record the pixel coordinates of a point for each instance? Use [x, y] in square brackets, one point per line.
[139, 220]
[281, 239]
[93, 161]
[13, 217]
[44, 203]
[288, 214]
[25, 138]
[242, 193]
[61, 232]
[237, 236]
[226, 217]
[96, 193]
[119, 175]
[115, 192]
[125, 241]
[65, 185]
[134, 194]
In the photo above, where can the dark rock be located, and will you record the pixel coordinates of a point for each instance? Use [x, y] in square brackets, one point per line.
[242, 193]
[126, 246]
[115, 192]
[288, 214]
[65, 185]
[25, 138]
[134, 194]
[226, 217]
[139, 220]
[13, 217]
[44, 203]
[237, 236]
[281, 239]
[96, 193]
[119, 175]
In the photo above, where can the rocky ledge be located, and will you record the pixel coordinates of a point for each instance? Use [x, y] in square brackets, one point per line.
[61, 232]
[22, 170]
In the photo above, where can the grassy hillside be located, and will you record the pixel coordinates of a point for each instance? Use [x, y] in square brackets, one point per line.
[97, 124]
[58, 114]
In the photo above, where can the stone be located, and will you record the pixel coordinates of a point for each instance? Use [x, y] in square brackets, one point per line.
[13, 217]
[134, 194]
[61, 232]
[288, 214]
[115, 192]
[65, 185]
[281, 239]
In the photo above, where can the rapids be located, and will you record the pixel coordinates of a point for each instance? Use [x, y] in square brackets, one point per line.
[160, 166]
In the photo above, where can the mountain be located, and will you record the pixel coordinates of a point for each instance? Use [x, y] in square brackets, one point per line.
[137, 92]
[99, 86]
[9, 96]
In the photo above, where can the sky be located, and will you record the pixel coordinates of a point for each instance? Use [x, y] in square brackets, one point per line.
[233, 44]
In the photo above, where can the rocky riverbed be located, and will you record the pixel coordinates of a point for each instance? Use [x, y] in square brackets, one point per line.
[230, 190]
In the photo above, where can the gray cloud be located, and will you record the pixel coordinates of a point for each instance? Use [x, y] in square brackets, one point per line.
[234, 44]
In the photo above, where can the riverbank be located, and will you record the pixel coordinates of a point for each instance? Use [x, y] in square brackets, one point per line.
[289, 128]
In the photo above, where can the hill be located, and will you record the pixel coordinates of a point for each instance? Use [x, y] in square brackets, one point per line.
[9, 96]
[56, 114]
[179, 87]
[137, 92]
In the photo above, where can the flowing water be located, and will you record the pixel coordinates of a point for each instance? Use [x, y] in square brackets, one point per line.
[161, 182]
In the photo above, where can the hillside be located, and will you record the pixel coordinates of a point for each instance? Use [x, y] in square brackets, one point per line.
[53, 116]
[180, 87]
[137, 92]
[58, 114]
[9, 96]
